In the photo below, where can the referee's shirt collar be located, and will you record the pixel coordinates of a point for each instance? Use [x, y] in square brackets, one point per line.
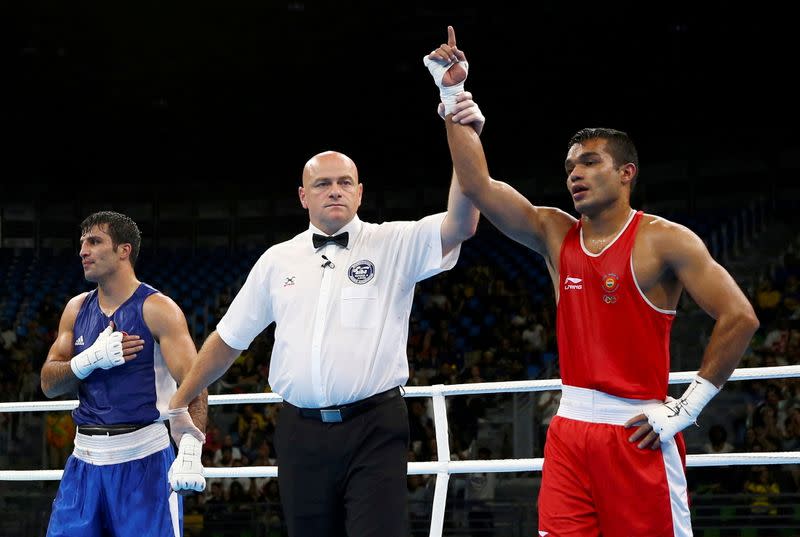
[353, 227]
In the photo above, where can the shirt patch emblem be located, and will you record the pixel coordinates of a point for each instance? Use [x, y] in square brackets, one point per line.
[289, 280]
[571, 283]
[609, 299]
[361, 272]
[79, 341]
[610, 283]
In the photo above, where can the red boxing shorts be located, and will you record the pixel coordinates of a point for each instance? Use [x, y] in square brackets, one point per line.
[595, 482]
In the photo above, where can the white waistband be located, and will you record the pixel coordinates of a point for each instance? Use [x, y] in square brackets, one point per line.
[102, 450]
[595, 406]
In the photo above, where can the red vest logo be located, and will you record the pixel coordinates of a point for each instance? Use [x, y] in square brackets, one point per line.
[610, 283]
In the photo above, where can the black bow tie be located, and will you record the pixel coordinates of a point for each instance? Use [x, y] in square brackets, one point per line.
[322, 240]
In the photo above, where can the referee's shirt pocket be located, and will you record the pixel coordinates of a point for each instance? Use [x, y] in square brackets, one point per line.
[360, 307]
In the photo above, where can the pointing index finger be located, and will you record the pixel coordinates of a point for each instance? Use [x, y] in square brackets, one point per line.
[451, 36]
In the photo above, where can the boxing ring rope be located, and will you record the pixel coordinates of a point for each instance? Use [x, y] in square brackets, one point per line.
[683, 377]
[496, 466]
[443, 467]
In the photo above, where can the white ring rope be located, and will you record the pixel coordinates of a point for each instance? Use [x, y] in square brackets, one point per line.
[683, 377]
[444, 467]
[453, 467]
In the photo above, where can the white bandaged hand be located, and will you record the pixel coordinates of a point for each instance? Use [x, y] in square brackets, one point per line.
[675, 415]
[448, 94]
[105, 353]
[186, 472]
[180, 424]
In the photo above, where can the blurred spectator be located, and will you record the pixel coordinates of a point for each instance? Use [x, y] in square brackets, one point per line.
[224, 456]
[8, 336]
[245, 419]
[214, 508]
[420, 428]
[253, 437]
[263, 457]
[213, 436]
[271, 420]
[768, 299]
[522, 318]
[244, 483]
[791, 433]
[28, 382]
[419, 498]
[59, 433]
[446, 375]
[762, 486]
[248, 374]
[777, 339]
[534, 335]
[717, 441]
[479, 492]
[791, 296]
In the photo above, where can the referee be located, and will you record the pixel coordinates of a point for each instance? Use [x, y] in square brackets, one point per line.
[340, 294]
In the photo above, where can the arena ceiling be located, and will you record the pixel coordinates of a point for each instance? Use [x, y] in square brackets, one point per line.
[209, 96]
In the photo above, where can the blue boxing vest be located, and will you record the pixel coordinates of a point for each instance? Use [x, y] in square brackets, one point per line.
[136, 392]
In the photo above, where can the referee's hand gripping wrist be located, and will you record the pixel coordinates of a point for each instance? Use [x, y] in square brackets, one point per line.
[465, 112]
[181, 424]
[106, 352]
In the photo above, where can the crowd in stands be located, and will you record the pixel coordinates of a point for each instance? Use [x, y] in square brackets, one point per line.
[476, 323]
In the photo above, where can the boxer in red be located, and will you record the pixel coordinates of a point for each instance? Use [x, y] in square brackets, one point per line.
[614, 454]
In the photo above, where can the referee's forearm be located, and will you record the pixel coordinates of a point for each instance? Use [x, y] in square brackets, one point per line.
[461, 208]
[213, 360]
[462, 217]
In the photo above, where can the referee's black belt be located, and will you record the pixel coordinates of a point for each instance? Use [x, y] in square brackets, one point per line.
[111, 430]
[340, 413]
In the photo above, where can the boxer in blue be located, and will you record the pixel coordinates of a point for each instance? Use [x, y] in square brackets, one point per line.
[123, 347]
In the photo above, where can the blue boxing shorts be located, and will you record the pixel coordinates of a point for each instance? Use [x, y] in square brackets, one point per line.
[117, 485]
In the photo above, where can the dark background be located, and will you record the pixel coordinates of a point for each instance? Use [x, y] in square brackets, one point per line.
[198, 99]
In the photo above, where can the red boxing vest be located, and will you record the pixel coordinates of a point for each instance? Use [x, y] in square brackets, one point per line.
[610, 336]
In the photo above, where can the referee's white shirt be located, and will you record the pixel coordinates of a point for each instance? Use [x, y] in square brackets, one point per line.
[341, 331]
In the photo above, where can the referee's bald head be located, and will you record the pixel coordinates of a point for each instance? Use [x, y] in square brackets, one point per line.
[328, 160]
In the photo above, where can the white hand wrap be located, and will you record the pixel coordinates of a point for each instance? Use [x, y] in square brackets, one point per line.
[181, 424]
[675, 415]
[186, 472]
[447, 93]
[105, 353]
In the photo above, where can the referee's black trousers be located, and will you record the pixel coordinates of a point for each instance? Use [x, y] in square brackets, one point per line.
[345, 479]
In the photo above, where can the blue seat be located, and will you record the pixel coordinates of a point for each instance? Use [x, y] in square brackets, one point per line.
[548, 358]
